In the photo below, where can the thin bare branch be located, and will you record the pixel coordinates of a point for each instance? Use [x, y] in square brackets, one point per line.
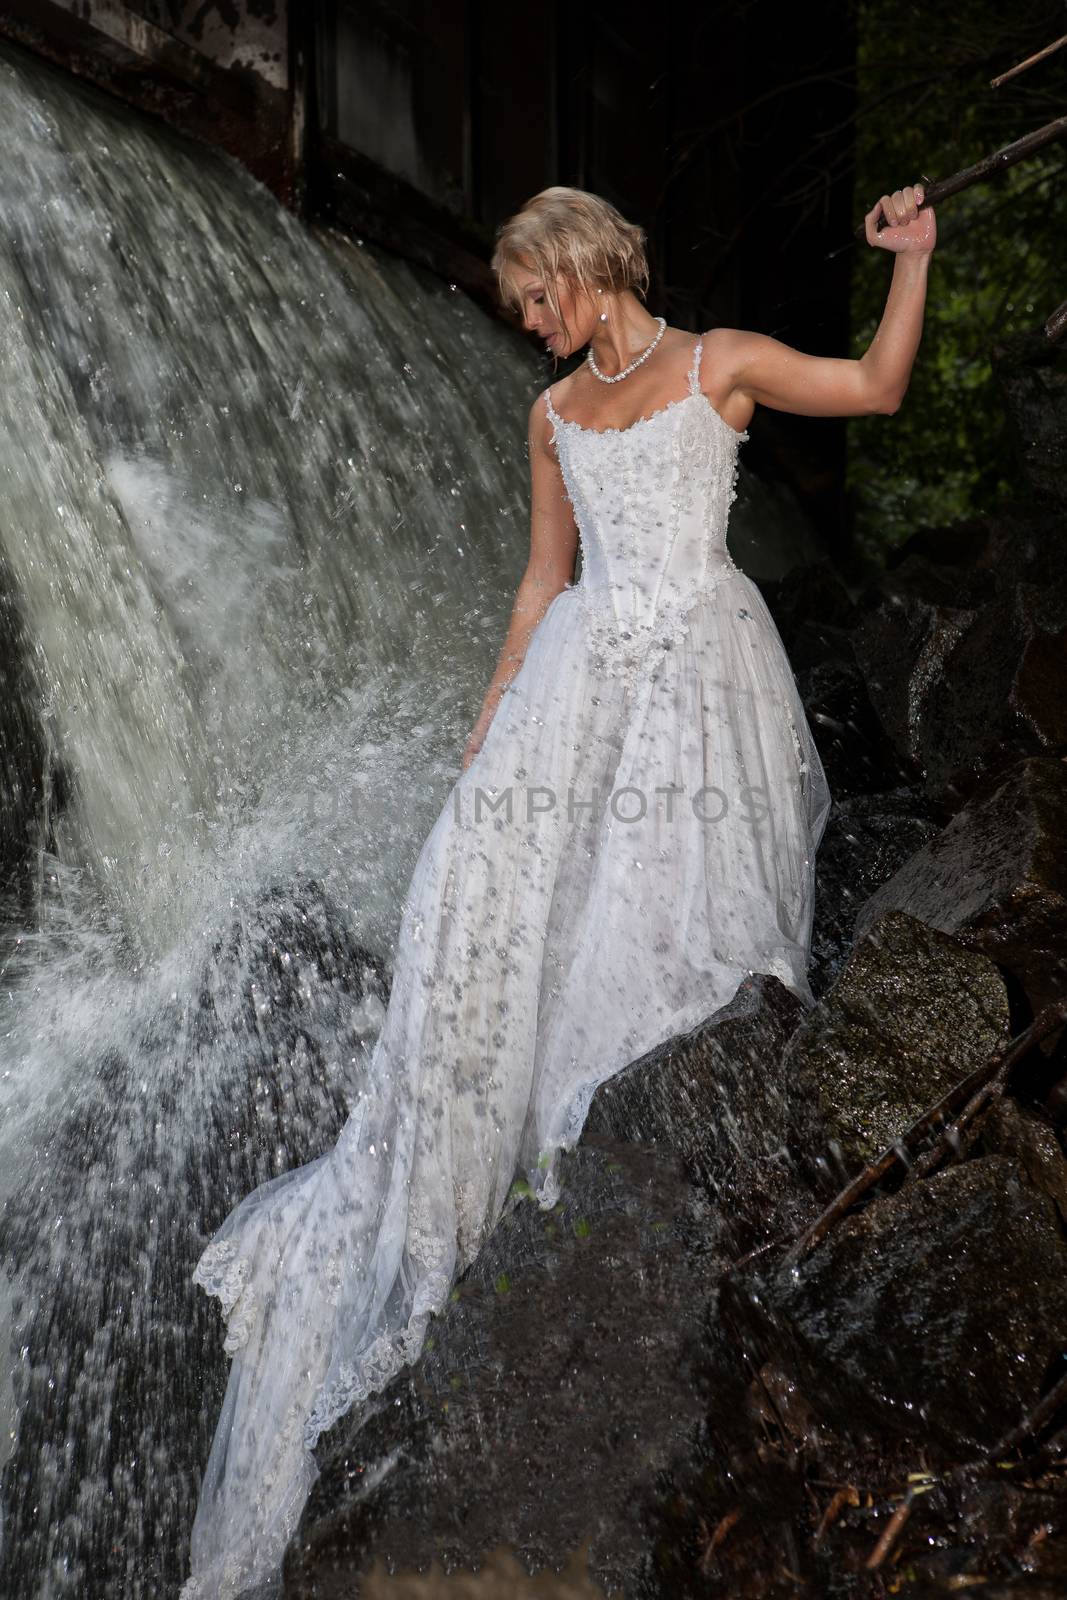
[1031, 61]
[1056, 326]
[892, 1529]
[998, 161]
[1046, 1407]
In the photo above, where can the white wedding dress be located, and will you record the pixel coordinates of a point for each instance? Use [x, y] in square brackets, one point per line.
[636, 835]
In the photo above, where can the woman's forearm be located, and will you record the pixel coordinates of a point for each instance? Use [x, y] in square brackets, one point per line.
[893, 349]
[532, 600]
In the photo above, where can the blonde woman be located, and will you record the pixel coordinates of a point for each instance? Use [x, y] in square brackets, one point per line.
[633, 833]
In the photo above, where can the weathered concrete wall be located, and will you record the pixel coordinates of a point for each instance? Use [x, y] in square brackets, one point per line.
[345, 117]
[251, 35]
[217, 69]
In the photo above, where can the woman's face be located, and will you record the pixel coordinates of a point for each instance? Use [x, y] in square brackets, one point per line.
[579, 315]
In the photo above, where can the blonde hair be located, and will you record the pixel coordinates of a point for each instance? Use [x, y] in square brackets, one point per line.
[575, 236]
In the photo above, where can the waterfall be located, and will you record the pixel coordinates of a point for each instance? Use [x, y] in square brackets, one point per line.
[263, 505]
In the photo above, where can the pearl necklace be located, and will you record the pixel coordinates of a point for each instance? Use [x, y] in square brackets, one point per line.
[625, 373]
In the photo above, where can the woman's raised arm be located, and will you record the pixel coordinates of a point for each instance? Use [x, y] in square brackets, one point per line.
[773, 374]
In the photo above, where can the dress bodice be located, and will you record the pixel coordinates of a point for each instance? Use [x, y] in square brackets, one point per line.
[652, 503]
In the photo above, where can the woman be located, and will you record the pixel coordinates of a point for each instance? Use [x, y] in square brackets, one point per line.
[633, 833]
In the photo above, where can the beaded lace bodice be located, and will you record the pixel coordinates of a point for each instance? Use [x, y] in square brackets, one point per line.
[652, 503]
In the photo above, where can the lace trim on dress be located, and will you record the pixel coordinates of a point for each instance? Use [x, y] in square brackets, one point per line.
[222, 1273]
[380, 1362]
[559, 422]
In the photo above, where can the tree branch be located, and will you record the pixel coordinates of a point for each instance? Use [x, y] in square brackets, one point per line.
[1056, 326]
[1007, 156]
[1057, 44]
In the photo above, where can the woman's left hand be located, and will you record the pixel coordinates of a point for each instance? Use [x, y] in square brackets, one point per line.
[908, 227]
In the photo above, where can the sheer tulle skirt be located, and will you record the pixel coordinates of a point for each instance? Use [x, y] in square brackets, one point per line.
[619, 856]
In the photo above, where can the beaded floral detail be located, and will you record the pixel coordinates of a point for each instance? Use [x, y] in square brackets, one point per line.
[634, 652]
[651, 502]
[802, 760]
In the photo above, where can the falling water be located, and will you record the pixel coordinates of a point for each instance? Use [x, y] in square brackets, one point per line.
[256, 487]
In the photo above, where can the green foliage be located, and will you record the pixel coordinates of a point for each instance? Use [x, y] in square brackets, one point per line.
[925, 107]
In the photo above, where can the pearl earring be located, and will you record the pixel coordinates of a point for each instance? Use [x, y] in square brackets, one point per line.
[603, 314]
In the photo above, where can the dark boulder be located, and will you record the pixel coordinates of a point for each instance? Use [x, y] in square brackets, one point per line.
[868, 839]
[1031, 372]
[967, 671]
[936, 1312]
[912, 1013]
[720, 1100]
[996, 879]
[552, 1393]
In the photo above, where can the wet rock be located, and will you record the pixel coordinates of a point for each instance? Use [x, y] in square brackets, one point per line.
[553, 1391]
[24, 820]
[902, 645]
[1017, 541]
[868, 838]
[911, 1014]
[996, 879]
[1002, 695]
[966, 670]
[812, 611]
[858, 757]
[1031, 373]
[935, 1312]
[1009, 1129]
[719, 1100]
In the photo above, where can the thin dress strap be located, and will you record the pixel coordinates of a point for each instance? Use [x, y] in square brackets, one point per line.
[553, 413]
[694, 370]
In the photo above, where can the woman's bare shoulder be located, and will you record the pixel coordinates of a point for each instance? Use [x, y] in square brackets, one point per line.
[560, 388]
[556, 394]
[727, 340]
